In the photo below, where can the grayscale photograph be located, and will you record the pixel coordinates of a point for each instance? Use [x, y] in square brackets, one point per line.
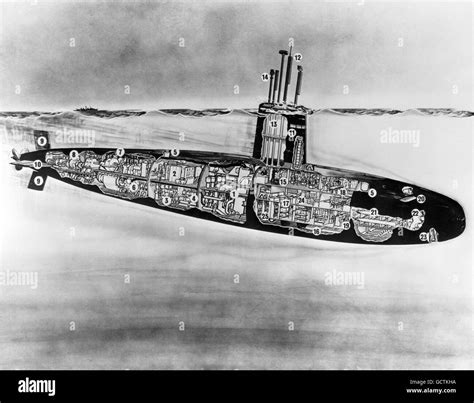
[236, 185]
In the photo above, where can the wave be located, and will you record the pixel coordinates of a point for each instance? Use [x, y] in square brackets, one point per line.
[381, 111]
[199, 113]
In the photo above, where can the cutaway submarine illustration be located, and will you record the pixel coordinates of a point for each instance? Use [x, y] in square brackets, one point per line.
[275, 190]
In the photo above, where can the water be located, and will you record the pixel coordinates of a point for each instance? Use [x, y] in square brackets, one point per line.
[414, 311]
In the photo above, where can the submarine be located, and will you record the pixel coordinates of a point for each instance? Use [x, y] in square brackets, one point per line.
[274, 190]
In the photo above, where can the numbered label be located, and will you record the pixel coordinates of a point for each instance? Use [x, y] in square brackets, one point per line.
[415, 212]
[292, 134]
[283, 181]
[37, 164]
[421, 199]
[38, 181]
[233, 194]
[343, 192]
[73, 154]
[264, 216]
[346, 225]
[298, 57]
[265, 77]
[423, 236]
[120, 152]
[285, 203]
[317, 231]
[274, 123]
[174, 152]
[372, 192]
[374, 211]
[166, 200]
[134, 187]
[194, 198]
[42, 141]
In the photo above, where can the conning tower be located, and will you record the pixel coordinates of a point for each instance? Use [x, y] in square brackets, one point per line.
[280, 137]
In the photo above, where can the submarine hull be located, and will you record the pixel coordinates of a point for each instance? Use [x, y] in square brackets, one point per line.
[309, 201]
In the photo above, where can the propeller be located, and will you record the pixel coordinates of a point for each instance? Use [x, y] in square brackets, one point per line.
[15, 155]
